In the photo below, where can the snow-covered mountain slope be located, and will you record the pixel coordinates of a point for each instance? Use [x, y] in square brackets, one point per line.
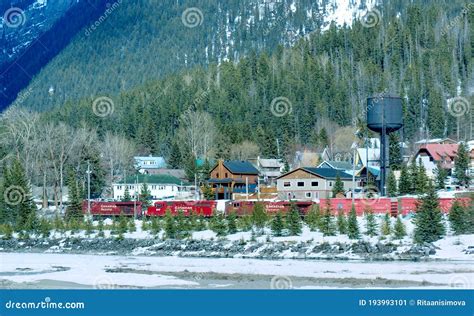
[19, 27]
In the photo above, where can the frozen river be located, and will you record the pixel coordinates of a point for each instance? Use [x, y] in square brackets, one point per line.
[35, 270]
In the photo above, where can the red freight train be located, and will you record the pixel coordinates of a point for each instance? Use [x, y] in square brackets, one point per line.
[242, 207]
[204, 208]
[101, 208]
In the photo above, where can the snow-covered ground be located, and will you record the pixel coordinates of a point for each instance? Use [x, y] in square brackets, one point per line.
[34, 270]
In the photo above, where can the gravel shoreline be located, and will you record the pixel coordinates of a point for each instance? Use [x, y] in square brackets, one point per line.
[222, 248]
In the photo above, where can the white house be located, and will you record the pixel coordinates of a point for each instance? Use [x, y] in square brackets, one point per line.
[162, 187]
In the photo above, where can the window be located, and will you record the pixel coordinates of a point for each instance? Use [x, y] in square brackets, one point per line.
[314, 183]
[308, 194]
[301, 184]
[330, 183]
[217, 175]
[226, 174]
[286, 184]
[153, 187]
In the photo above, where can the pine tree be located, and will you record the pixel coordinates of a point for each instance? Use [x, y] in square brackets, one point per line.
[123, 224]
[391, 184]
[132, 227]
[174, 160]
[293, 220]
[100, 228]
[277, 224]
[405, 181]
[313, 218]
[218, 224]
[126, 195]
[327, 221]
[399, 230]
[45, 228]
[414, 178]
[74, 210]
[169, 225]
[259, 217]
[7, 231]
[145, 195]
[207, 192]
[352, 224]
[421, 181]
[458, 218]
[182, 228]
[370, 223]
[231, 223]
[155, 225]
[341, 222]
[462, 165]
[190, 167]
[386, 228]
[338, 186]
[16, 198]
[441, 175]
[395, 156]
[428, 218]
[88, 227]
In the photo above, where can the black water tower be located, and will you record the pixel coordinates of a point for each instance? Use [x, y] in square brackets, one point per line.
[384, 116]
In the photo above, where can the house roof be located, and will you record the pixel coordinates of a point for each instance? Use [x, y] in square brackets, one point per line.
[341, 165]
[242, 167]
[269, 163]
[440, 151]
[152, 162]
[325, 173]
[152, 179]
[373, 156]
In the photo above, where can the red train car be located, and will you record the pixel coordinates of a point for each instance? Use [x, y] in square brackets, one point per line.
[378, 206]
[100, 208]
[204, 208]
[271, 207]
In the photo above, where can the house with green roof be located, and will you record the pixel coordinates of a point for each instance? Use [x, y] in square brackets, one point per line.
[161, 186]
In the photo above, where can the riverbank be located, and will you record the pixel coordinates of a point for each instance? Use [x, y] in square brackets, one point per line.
[29, 270]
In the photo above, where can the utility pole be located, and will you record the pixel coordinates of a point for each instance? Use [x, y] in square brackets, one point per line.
[136, 197]
[88, 188]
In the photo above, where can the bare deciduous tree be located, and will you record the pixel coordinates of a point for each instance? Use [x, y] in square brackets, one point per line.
[197, 132]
